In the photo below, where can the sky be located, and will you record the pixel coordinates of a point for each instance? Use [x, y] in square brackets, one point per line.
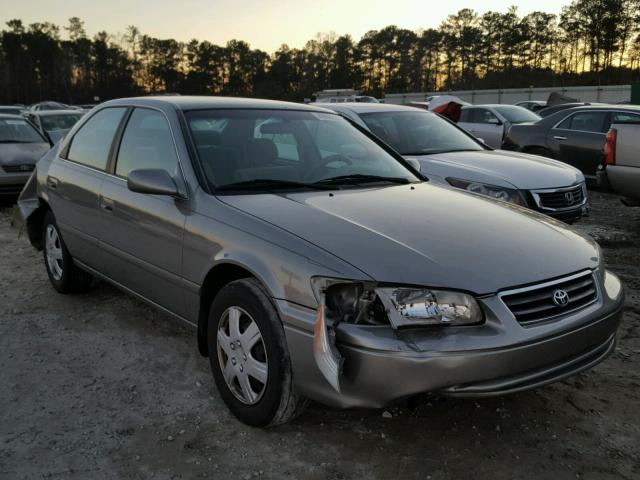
[265, 24]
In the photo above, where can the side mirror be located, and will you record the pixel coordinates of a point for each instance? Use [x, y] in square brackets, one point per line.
[414, 162]
[481, 140]
[152, 181]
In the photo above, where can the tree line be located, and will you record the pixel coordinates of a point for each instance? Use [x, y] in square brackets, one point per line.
[589, 42]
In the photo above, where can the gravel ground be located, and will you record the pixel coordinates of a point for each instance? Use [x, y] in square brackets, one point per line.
[101, 386]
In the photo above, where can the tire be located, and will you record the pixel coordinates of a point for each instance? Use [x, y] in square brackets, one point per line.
[250, 363]
[540, 151]
[63, 274]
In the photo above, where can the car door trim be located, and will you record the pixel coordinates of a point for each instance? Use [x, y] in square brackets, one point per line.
[139, 296]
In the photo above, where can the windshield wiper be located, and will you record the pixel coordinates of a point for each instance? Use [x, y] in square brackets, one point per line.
[360, 178]
[433, 152]
[269, 184]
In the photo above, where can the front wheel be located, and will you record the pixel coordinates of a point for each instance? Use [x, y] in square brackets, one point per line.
[64, 275]
[249, 356]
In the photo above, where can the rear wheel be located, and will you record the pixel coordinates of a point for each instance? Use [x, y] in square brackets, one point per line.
[249, 356]
[64, 275]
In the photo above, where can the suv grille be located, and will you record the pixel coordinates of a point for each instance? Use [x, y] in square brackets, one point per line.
[565, 198]
[542, 302]
[18, 168]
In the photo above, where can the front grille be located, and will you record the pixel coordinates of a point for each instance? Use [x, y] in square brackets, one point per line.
[565, 198]
[18, 168]
[536, 304]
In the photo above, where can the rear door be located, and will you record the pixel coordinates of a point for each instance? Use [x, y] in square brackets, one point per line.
[140, 234]
[74, 180]
[579, 139]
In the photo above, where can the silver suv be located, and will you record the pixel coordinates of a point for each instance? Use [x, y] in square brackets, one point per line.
[312, 259]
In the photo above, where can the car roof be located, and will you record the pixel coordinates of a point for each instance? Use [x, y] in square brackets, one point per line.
[44, 113]
[186, 102]
[358, 108]
[604, 106]
[10, 116]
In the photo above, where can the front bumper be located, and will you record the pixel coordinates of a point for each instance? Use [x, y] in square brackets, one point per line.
[12, 183]
[501, 356]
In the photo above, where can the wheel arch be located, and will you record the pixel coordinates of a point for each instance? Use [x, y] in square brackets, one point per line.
[217, 278]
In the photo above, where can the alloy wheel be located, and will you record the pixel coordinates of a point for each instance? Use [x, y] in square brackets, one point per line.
[242, 355]
[53, 248]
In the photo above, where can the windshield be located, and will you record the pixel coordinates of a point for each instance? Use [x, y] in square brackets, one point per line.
[418, 133]
[59, 122]
[280, 148]
[18, 131]
[516, 114]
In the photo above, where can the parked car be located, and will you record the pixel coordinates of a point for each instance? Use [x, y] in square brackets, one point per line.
[490, 122]
[575, 136]
[313, 259]
[50, 105]
[622, 169]
[21, 146]
[54, 123]
[12, 110]
[548, 111]
[449, 155]
[533, 105]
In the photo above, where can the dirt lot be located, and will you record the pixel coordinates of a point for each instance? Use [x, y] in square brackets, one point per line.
[101, 386]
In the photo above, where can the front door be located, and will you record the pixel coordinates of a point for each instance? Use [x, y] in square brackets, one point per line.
[141, 234]
[483, 124]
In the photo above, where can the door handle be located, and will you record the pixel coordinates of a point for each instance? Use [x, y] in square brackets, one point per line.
[559, 138]
[106, 204]
[52, 183]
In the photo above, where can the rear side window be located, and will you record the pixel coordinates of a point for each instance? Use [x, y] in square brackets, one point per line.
[585, 122]
[146, 143]
[91, 145]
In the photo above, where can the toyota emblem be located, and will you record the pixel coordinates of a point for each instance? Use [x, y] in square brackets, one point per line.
[560, 298]
[569, 198]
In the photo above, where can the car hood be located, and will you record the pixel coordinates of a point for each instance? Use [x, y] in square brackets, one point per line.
[22, 153]
[428, 235]
[524, 171]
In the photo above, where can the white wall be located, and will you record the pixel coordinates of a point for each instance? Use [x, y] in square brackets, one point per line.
[604, 94]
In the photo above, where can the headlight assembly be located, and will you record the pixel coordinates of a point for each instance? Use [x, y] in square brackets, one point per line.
[501, 193]
[371, 304]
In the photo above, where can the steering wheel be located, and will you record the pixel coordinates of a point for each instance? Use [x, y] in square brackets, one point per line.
[326, 161]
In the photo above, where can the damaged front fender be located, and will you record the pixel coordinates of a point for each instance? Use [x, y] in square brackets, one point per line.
[325, 352]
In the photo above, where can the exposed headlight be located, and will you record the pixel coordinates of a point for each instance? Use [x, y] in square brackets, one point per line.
[409, 306]
[501, 193]
[612, 285]
[368, 303]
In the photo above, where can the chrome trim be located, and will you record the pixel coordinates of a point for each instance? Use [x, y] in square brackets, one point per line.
[536, 197]
[551, 283]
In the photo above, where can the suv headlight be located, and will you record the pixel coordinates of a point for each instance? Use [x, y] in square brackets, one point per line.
[494, 191]
[371, 304]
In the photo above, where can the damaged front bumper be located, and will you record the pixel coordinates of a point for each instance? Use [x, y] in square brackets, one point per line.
[380, 365]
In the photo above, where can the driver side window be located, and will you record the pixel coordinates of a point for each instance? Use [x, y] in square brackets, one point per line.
[482, 115]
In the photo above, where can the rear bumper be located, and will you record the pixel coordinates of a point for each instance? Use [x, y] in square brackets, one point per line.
[499, 357]
[622, 180]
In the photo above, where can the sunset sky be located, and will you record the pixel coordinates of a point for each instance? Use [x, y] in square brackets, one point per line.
[265, 24]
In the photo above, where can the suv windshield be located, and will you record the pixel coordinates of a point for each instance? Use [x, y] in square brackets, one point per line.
[288, 149]
[516, 114]
[418, 133]
[18, 131]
